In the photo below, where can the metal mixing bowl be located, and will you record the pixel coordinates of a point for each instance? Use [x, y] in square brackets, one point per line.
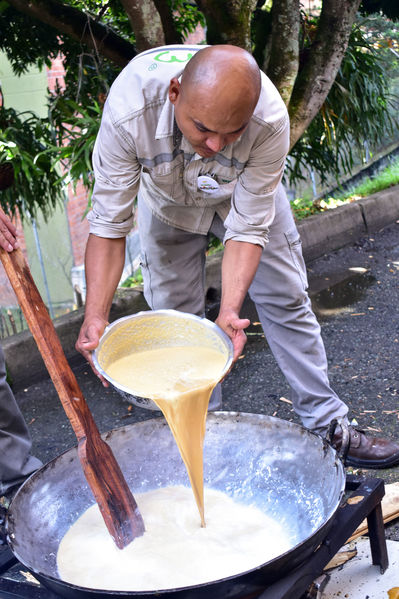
[156, 329]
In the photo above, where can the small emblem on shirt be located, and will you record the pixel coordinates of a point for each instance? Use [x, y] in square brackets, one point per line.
[207, 184]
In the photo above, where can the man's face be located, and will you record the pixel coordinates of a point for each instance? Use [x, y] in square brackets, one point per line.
[208, 123]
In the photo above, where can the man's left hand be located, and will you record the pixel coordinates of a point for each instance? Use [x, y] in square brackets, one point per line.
[231, 323]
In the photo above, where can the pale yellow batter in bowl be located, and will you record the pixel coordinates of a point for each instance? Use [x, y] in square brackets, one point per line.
[156, 329]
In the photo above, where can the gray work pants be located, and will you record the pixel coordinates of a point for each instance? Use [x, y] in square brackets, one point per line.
[173, 264]
[16, 463]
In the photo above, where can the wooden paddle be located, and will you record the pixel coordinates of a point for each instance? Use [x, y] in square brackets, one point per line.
[115, 500]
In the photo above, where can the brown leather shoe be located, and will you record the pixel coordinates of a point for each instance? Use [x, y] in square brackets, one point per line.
[361, 451]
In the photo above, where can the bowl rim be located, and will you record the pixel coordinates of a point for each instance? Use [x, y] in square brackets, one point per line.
[150, 314]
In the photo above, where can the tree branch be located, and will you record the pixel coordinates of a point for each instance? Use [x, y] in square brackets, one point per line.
[78, 26]
[283, 61]
[321, 63]
[145, 22]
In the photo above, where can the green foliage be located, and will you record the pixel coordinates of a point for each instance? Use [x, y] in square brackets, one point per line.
[304, 207]
[389, 176]
[37, 186]
[186, 16]
[358, 108]
[87, 72]
[111, 13]
[214, 245]
[76, 128]
[383, 34]
[134, 280]
[40, 43]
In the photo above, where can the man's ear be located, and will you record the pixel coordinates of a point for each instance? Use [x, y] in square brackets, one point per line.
[174, 90]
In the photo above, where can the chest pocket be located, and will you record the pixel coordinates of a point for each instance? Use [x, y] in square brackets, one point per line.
[226, 178]
[166, 178]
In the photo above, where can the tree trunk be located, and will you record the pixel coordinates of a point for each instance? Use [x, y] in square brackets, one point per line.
[228, 22]
[145, 22]
[172, 36]
[283, 62]
[79, 26]
[321, 63]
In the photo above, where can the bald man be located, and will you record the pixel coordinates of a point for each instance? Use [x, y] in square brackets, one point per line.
[200, 136]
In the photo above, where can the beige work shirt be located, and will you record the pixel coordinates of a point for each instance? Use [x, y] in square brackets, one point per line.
[140, 149]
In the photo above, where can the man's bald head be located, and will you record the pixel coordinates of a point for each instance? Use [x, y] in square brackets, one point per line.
[219, 89]
[218, 68]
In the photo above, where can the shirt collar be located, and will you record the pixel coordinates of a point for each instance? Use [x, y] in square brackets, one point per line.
[166, 122]
[167, 127]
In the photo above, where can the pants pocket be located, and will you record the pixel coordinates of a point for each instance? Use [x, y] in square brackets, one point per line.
[295, 245]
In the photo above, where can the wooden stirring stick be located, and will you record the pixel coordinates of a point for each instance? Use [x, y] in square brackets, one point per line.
[115, 500]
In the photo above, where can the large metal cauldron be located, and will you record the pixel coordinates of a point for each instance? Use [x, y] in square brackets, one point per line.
[290, 473]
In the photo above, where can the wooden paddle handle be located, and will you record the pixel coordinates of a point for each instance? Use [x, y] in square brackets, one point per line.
[43, 331]
[115, 500]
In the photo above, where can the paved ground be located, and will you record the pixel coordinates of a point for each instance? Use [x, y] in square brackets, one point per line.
[360, 326]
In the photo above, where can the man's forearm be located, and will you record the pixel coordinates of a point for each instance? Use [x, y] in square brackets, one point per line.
[103, 265]
[240, 262]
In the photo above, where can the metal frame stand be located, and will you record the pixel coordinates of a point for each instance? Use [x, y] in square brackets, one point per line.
[348, 517]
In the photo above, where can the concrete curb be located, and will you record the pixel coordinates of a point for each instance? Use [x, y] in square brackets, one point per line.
[320, 234]
[331, 230]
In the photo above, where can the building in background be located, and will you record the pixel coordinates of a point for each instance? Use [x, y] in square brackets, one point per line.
[54, 249]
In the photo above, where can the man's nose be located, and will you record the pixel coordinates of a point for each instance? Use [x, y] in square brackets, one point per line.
[215, 142]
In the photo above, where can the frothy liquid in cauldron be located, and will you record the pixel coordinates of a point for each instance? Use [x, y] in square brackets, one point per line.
[174, 551]
[180, 380]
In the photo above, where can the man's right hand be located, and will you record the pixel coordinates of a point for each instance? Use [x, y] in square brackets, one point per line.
[103, 267]
[89, 337]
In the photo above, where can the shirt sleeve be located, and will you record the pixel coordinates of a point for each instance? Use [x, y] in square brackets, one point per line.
[117, 177]
[253, 200]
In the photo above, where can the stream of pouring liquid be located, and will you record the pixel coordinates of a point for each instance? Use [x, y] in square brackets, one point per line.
[186, 416]
[180, 381]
